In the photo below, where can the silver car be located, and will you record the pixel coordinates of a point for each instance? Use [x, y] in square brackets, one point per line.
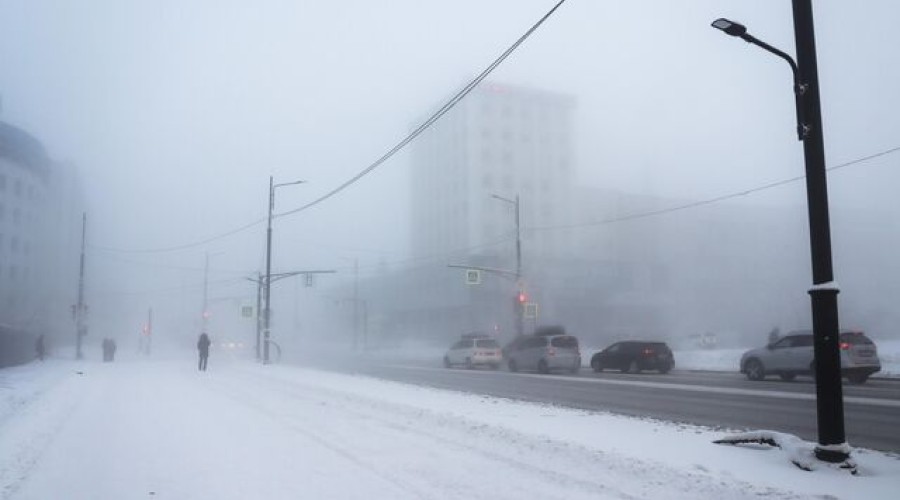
[792, 355]
[545, 353]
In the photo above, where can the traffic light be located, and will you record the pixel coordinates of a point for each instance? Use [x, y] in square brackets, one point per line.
[522, 298]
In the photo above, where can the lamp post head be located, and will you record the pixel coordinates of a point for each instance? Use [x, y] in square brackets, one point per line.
[730, 27]
[289, 183]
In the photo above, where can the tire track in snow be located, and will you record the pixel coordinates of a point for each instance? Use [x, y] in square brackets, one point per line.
[27, 433]
[466, 435]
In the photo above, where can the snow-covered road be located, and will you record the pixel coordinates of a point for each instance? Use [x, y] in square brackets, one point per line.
[160, 429]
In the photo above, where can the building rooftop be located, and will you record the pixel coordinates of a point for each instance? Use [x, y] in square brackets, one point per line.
[22, 148]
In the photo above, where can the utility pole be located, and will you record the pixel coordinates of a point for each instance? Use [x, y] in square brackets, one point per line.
[518, 302]
[355, 303]
[80, 327]
[149, 331]
[259, 287]
[205, 313]
[268, 313]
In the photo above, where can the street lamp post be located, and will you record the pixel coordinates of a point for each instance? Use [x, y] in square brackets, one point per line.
[266, 317]
[832, 446]
[520, 325]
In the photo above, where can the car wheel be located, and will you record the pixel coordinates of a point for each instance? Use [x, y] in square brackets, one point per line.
[633, 367]
[447, 362]
[754, 370]
[596, 366]
[787, 377]
[857, 378]
[576, 366]
[542, 366]
[469, 364]
[513, 367]
[665, 369]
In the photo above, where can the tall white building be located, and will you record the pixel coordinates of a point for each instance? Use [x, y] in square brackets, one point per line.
[500, 140]
[503, 141]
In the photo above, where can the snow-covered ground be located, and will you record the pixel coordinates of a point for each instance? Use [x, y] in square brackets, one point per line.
[148, 428]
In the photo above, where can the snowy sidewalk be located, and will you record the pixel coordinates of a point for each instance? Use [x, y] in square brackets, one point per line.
[159, 429]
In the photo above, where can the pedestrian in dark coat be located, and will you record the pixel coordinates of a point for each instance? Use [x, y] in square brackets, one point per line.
[203, 348]
[39, 347]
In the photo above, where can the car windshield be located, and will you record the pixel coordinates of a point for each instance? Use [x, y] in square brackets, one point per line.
[271, 249]
[566, 342]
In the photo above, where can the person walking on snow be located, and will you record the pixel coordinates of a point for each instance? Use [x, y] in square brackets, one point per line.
[203, 348]
[39, 347]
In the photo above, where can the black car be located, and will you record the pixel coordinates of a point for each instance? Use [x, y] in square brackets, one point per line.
[633, 356]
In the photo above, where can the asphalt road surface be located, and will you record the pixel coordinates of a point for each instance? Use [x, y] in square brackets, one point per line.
[721, 400]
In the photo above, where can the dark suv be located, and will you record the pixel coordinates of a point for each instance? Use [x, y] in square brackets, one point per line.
[633, 356]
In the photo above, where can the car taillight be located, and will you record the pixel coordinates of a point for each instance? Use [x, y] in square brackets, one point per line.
[648, 352]
[845, 345]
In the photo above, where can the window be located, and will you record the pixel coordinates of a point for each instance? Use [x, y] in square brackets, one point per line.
[785, 342]
[489, 343]
[534, 342]
[802, 341]
[566, 342]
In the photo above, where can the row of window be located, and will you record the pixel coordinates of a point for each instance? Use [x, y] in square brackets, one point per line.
[17, 187]
[16, 216]
[15, 245]
[14, 273]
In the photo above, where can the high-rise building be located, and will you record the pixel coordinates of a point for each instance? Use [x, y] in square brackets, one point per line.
[501, 140]
[36, 205]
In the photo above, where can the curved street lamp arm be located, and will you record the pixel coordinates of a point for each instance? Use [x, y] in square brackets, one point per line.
[799, 86]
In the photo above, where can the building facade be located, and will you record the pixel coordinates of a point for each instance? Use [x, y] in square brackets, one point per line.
[36, 205]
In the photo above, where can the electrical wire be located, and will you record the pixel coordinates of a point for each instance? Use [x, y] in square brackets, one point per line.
[433, 118]
[708, 201]
[391, 152]
[182, 247]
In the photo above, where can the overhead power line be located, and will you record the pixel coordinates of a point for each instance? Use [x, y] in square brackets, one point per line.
[708, 201]
[433, 118]
[186, 245]
[391, 152]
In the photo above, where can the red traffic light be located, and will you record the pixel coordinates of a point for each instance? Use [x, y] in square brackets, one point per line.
[522, 297]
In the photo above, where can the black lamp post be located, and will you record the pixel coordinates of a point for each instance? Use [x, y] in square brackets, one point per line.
[832, 445]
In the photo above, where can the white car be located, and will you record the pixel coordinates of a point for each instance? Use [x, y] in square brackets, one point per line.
[472, 352]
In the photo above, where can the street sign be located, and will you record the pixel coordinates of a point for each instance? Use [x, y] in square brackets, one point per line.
[473, 277]
[531, 309]
[247, 311]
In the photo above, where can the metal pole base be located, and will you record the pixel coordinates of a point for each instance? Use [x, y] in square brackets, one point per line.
[833, 453]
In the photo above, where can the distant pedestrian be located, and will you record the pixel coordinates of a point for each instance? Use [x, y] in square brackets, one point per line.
[39, 347]
[109, 349]
[203, 349]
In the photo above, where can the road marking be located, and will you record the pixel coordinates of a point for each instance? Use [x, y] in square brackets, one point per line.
[891, 403]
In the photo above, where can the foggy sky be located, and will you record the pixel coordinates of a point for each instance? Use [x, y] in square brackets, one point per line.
[177, 112]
